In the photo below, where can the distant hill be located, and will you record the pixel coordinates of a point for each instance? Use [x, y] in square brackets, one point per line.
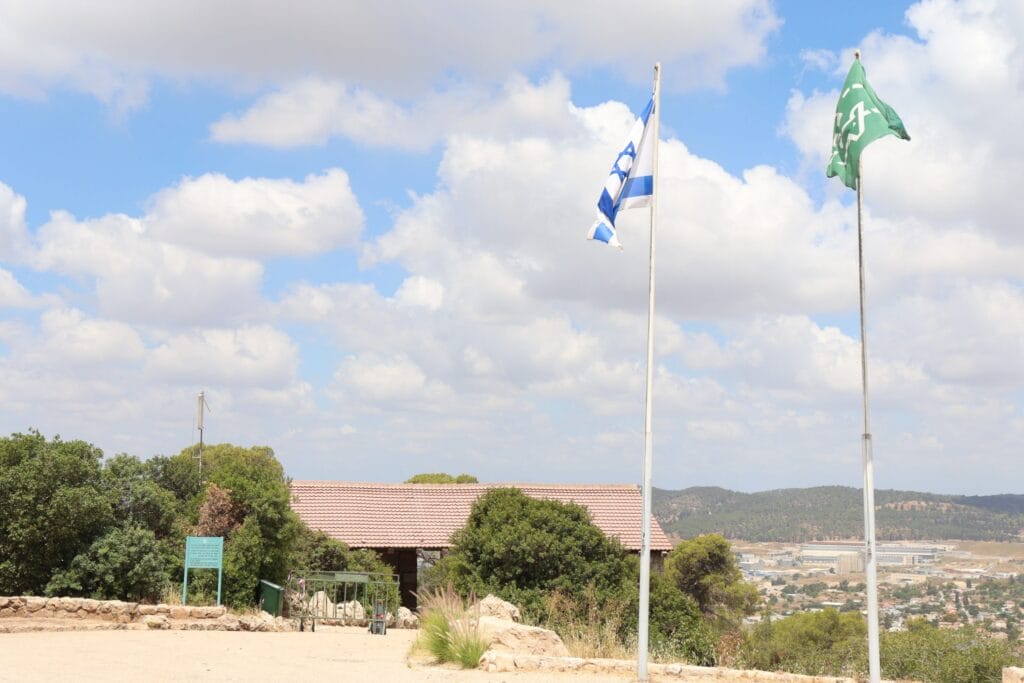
[836, 512]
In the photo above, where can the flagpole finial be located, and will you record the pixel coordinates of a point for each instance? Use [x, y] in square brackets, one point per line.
[856, 55]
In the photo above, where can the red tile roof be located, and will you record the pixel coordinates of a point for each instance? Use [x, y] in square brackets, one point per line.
[366, 515]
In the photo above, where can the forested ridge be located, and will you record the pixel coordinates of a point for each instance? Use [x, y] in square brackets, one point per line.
[836, 512]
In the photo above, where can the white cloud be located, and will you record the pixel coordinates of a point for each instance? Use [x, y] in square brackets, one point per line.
[257, 216]
[69, 337]
[141, 279]
[420, 291]
[312, 111]
[191, 258]
[13, 294]
[255, 356]
[395, 380]
[970, 334]
[14, 238]
[111, 51]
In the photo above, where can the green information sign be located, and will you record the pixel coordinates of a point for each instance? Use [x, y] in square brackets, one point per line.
[203, 552]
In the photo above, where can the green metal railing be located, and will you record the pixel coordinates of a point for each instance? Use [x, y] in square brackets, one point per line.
[349, 598]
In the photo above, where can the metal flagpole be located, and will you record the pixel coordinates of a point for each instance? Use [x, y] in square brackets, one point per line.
[645, 546]
[871, 557]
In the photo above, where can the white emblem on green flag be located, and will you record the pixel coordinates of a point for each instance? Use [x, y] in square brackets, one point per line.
[861, 118]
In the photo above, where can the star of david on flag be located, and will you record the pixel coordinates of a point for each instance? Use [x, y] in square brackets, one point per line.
[630, 183]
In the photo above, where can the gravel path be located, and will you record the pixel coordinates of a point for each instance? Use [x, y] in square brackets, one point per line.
[332, 654]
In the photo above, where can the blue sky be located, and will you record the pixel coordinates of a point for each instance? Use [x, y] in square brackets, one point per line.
[360, 231]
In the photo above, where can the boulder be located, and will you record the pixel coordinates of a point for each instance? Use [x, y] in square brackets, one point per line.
[508, 636]
[406, 619]
[294, 602]
[34, 604]
[179, 612]
[352, 611]
[156, 622]
[262, 622]
[228, 622]
[320, 605]
[493, 606]
[69, 605]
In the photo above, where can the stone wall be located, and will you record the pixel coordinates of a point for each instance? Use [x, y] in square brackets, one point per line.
[31, 613]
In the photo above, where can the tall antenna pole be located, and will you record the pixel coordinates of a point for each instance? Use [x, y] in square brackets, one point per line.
[200, 404]
[645, 546]
[870, 550]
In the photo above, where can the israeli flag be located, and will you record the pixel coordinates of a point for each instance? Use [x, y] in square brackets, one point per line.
[631, 181]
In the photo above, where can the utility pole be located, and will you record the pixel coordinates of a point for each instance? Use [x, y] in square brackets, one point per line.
[200, 405]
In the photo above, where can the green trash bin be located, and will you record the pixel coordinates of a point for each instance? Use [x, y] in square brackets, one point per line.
[271, 597]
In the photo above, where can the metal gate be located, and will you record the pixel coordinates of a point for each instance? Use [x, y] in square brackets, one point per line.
[344, 598]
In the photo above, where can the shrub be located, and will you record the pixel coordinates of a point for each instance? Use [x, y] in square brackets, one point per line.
[522, 549]
[964, 655]
[242, 556]
[812, 643]
[125, 563]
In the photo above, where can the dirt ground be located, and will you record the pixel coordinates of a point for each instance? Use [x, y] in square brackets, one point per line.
[333, 654]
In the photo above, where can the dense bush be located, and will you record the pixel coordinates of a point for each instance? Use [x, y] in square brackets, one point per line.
[54, 505]
[926, 653]
[548, 558]
[522, 549]
[833, 644]
[824, 643]
[242, 554]
[124, 564]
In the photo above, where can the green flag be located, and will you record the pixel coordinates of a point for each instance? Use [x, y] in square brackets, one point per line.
[861, 118]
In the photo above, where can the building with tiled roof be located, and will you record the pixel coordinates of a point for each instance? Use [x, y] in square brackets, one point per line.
[399, 520]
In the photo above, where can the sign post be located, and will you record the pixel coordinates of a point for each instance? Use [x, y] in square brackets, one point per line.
[203, 552]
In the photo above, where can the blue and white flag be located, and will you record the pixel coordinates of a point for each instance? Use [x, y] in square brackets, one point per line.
[631, 181]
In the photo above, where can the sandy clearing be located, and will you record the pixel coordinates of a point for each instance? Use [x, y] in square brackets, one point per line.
[340, 654]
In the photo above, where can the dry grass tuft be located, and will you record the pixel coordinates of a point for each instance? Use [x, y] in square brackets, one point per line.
[450, 631]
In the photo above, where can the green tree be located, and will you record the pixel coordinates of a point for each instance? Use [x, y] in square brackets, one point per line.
[136, 498]
[54, 504]
[522, 548]
[178, 474]
[441, 478]
[705, 568]
[123, 564]
[259, 488]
